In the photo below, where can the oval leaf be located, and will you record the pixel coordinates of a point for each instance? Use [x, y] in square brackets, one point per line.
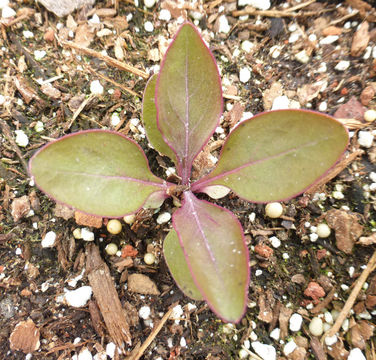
[213, 244]
[277, 155]
[149, 118]
[188, 97]
[98, 172]
[178, 267]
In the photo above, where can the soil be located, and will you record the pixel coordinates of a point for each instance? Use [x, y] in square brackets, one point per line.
[284, 278]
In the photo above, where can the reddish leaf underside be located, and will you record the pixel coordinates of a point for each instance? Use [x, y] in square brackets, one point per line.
[98, 172]
[188, 97]
[149, 118]
[277, 155]
[213, 244]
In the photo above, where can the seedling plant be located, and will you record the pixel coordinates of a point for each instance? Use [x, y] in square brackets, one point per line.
[273, 156]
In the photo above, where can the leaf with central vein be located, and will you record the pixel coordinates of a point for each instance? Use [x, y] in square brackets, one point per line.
[217, 257]
[277, 155]
[188, 97]
[98, 172]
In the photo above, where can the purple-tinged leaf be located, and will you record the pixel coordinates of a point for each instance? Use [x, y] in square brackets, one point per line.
[177, 264]
[277, 155]
[188, 97]
[98, 172]
[213, 244]
[149, 118]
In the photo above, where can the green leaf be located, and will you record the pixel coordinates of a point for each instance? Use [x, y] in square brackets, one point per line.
[149, 118]
[98, 172]
[213, 244]
[277, 155]
[188, 97]
[175, 260]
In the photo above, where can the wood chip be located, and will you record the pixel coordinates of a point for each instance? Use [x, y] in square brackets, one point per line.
[87, 220]
[20, 207]
[107, 298]
[141, 284]
[360, 40]
[25, 337]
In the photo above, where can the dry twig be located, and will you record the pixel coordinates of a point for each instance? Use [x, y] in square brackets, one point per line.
[351, 300]
[107, 59]
[135, 355]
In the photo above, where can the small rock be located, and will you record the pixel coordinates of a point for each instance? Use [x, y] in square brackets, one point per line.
[289, 347]
[110, 349]
[356, 354]
[21, 138]
[49, 35]
[353, 109]
[281, 102]
[111, 249]
[25, 337]
[49, 240]
[149, 3]
[360, 39]
[258, 4]
[264, 251]
[20, 207]
[7, 12]
[266, 352]
[63, 211]
[295, 322]
[370, 115]
[39, 54]
[273, 210]
[96, 88]
[316, 327]
[144, 312]
[50, 91]
[365, 138]
[342, 65]
[165, 15]
[244, 75]
[367, 95]
[141, 284]
[163, 218]
[323, 230]
[223, 25]
[78, 297]
[27, 34]
[329, 39]
[85, 354]
[4, 3]
[302, 57]
[247, 46]
[276, 243]
[65, 7]
[128, 251]
[148, 26]
[176, 313]
[87, 235]
[314, 291]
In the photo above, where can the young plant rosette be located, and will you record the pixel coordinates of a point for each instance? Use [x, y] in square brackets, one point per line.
[273, 156]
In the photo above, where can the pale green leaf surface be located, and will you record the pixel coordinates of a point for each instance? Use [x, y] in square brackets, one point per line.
[188, 97]
[149, 118]
[213, 243]
[177, 264]
[277, 155]
[98, 172]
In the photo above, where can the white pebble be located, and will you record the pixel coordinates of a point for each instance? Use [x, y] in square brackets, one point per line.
[274, 210]
[39, 126]
[331, 340]
[330, 39]
[289, 347]
[275, 334]
[322, 68]
[266, 352]
[27, 34]
[345, 325]
[338, 195]
[247, 46]
[176, 313]
[285, 256]
[165, 15]
[243, 354]
[77, 233]
[295, 322]
[4, 3]
[294, 37]
[149, 3]
[7, 12]
[144, 312]
[183, 342]
[115, 119]
[87, 235]
[21, 138]
[148, 26]
[276, 243]
[328, 317]
[323, 106]
[316, 327]
[370, 115]
[342, 65]
[312, 37]
[129, 219]
[356, 354]
[244, 75]
[323, 230]
[39, 54]
[96, 88]
[78, 297]
[281, 102]
[224, 26]
[374, 52]
[110, 349]
[275, 51]
[95, 19]
[365, 138]
[2, 100]
[258, 272]
[49, 240]
[302, 57]
[163, 218]
[85, 354]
